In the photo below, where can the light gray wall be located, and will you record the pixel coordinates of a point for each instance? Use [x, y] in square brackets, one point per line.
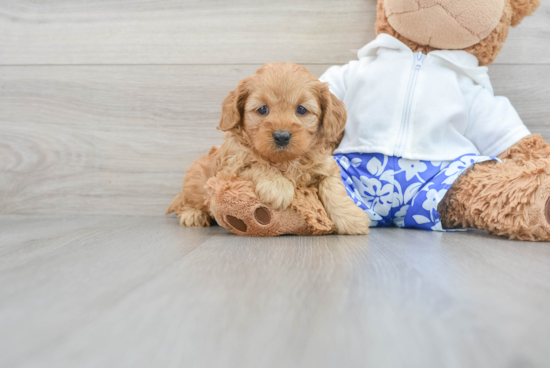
[104, 104]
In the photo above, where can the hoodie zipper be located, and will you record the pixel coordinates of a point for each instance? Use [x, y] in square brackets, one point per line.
[399, 149]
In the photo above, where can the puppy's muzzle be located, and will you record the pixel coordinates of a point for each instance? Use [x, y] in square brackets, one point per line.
[281, 138]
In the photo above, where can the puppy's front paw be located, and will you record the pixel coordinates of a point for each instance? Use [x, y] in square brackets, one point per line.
[191, 217]
[353, 222]
[277, 193]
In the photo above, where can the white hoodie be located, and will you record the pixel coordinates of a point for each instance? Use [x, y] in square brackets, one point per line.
[436, 107]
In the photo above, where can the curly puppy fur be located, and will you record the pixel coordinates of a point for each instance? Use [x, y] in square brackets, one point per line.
[488, 49]
[250, 152]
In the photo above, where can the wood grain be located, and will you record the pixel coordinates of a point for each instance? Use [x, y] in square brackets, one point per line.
[117, 139]
[211, 32]
[98, 291]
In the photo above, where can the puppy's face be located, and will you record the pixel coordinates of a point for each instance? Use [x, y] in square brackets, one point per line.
[284, 111]
[282, 114]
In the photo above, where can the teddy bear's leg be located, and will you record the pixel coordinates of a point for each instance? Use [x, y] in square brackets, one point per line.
[234, 205]
[509, 198]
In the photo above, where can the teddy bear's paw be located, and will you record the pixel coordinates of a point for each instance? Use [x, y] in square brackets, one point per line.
[262, 217]
[235, 206]
[260, 221]
[236, 223]
[538, 221]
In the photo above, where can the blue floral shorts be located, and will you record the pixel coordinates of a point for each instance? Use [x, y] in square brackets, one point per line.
[398, 192]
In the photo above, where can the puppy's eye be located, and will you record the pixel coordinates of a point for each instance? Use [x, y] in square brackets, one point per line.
[301, 110]
[264, 110]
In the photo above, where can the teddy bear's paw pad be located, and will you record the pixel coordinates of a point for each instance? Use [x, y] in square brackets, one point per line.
[236, 223]
[547, 210]
[262, 216]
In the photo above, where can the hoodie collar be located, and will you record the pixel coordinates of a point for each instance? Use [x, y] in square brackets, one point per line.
[460, 59]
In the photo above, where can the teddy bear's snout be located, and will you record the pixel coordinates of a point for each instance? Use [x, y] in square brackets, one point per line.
[444, 24]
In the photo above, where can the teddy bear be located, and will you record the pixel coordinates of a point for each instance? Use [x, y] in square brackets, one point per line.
[427, 144]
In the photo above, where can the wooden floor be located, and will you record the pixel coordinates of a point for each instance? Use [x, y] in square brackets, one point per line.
[96, 291]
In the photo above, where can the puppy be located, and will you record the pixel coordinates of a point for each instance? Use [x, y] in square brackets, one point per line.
[281, 125]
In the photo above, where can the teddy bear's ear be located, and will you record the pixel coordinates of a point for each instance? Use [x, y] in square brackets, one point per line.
[233, 107]
[522, 9]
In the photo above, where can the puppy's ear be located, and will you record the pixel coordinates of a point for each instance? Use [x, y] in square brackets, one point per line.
[334, 117]
[233, 108]
[522, 9]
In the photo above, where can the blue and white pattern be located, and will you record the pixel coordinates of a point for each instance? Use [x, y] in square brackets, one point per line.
[397, 192]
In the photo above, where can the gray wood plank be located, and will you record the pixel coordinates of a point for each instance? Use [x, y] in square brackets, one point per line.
[117, 139]
[132, 128]
[210, 32]
[528, 88]
[142, 292]
[107, 256]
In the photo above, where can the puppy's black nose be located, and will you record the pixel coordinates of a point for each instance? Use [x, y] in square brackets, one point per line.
[282, 138]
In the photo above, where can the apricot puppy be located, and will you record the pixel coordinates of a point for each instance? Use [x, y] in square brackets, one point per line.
[281, 125]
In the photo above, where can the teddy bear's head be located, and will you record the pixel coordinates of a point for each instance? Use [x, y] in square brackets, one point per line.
[479, 27]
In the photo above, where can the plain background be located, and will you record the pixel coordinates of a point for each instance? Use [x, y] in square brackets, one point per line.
[105, 103]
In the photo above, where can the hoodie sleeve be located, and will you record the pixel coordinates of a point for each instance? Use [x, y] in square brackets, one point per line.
[337, 78]
[494, 124]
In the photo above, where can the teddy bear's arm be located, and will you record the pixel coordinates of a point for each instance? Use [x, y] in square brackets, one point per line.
[494, 125]
[337, 79]
[531, 148]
